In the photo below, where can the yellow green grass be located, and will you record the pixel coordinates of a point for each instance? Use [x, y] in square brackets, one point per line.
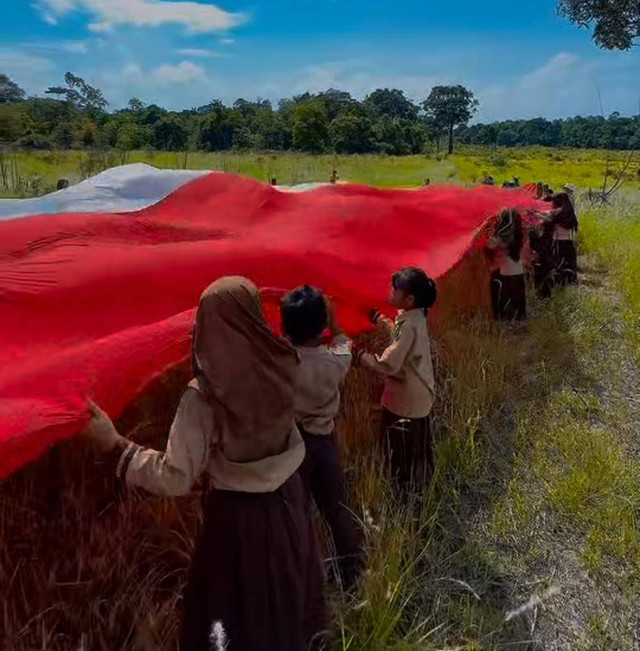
[37, 172]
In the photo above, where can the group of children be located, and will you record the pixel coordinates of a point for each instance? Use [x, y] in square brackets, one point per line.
[257, 425]
[553, 245]
[257, 421]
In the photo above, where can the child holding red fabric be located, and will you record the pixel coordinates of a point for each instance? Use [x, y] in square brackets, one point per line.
[409, 392]
[306, 314]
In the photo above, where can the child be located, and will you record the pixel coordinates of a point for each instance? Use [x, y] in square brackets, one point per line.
[541, 243]
[409, 391]
[306, 314]
[565, 222]
[256, 569]
[508, 288]
[334, 177]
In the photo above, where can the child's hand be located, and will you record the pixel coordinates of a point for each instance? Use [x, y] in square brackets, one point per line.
[101, 430]
[332, 319]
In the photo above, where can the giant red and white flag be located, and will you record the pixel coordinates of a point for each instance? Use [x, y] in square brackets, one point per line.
[95, 301]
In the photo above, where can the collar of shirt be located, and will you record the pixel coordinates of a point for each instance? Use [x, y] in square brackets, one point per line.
[409, 315]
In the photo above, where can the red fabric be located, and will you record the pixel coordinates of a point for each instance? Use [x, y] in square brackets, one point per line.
[99, 304]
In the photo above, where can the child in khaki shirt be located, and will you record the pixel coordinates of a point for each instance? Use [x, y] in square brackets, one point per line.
[409, 391]
[306, 314]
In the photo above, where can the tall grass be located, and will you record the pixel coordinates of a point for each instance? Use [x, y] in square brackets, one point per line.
[39, 171]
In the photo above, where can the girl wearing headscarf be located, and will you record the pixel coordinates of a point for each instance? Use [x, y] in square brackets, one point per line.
[563, 217]
[256, 579]
[508, 288]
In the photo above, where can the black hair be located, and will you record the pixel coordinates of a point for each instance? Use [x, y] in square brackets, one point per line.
[566, 215]
[304, 314]
[510, 230]
[416, 283]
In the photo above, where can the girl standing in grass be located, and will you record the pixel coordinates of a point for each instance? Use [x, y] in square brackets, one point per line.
[256, 577]
[563, 217]
[409, 392]
[508, 288]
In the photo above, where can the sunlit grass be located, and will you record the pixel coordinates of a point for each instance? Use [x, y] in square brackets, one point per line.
[39, 171]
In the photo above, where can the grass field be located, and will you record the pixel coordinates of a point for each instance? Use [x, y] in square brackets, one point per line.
[29, 173]
[529, 536]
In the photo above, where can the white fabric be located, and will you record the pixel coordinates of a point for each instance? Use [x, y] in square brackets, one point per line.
[560, 233]
[119, 189]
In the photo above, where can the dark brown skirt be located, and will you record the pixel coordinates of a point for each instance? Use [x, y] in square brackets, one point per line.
[256, 577]
[508, 297]
[408, 446]
[566, 258]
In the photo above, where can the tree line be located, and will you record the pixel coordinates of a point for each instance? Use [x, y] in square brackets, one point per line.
[614, 132]
[75, 115]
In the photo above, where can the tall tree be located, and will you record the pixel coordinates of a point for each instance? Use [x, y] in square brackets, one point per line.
[9, 90]
[170, 133]
[392, 103]
[135, 105]
[450, 106]
[352, 134]
[79, 93]
[616, 22]
[310, 127]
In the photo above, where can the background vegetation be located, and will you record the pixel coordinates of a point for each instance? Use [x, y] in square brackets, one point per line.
[74, 116]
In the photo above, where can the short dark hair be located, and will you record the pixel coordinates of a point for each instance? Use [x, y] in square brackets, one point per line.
[416, 283]
[304, 314]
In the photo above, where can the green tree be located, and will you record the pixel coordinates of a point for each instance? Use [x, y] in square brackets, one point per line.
[218, 126]
[244, 139]
[46, 114]
[616, 23]
[132, 136]
[88, 134]
[392, 103]
[63, 135]
[449, 106]
[310, 127]
[170, 133]
[9, 90]
[336, 102]
[79, 93]
[352, 134]
[12, 122]
[135, 105]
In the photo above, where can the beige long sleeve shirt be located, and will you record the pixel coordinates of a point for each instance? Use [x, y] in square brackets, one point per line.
[320, 373]
[409, 389]
[194, 448]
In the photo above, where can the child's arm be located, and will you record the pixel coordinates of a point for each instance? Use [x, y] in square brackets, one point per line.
[340, 344]
[393, 358]
[172, 472]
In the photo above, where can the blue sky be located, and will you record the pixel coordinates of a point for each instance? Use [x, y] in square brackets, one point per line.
[520, 58]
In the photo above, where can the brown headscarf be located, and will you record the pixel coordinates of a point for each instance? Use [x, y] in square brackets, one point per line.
[244, 370]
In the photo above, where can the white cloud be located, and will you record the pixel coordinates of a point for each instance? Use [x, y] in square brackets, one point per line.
[564, 86]
[31, 72]
[227, 41]
[197, 17]
[199, 52]
[175, 87]
[185, 72]
[355, 77]
[75, 47]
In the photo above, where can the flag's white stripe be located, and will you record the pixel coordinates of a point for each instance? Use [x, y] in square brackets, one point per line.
[119, 189]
